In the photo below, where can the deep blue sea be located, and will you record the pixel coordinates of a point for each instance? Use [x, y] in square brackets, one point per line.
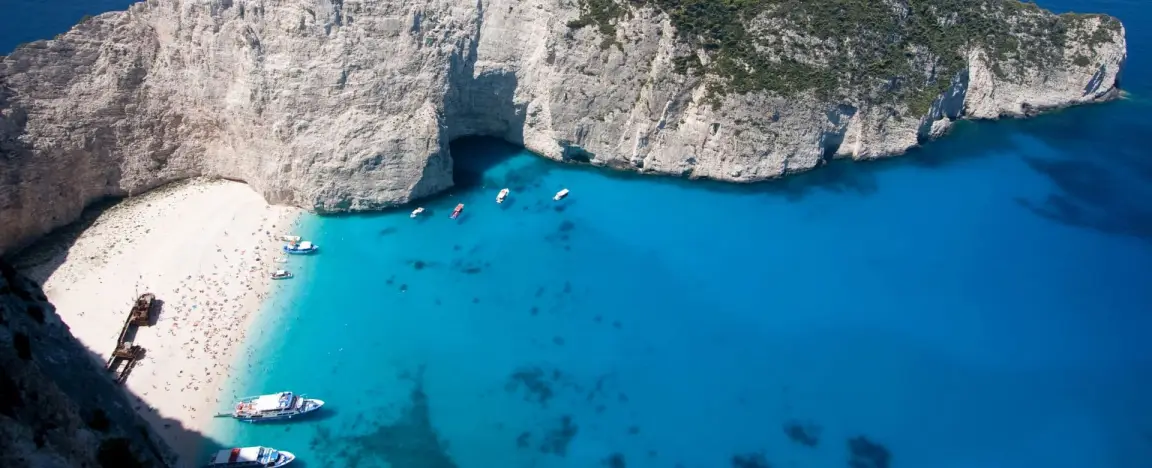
[985, 301]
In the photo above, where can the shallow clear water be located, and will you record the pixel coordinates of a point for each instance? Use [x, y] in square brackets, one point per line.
[982, 302]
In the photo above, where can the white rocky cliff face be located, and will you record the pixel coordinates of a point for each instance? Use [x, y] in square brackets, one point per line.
[347, 105]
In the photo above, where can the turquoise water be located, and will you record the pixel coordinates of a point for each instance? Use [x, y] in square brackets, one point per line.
[983, 302]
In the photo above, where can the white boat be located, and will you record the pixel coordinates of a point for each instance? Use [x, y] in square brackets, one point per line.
[281, 274]
[500, 197]
[417, 211]
[301, 248]
[560, 195]
[264, 457]
[290, 238]
[274, 407]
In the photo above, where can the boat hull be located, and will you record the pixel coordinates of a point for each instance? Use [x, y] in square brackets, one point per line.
[299, 252]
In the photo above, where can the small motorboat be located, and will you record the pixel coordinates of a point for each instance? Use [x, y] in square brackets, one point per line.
[417, 212]
[457, 211]
[290, 238]
[500, 197]
[281, 274]
[250, 457]
[560, 195]
[301, 248]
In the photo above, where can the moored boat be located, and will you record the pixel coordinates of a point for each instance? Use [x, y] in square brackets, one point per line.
[457, 211]
[274, 407]
[287, 238]
[502, 195]
[301, 248]
[560, 195]
[265, 457]
[416, 212]
[281, 274]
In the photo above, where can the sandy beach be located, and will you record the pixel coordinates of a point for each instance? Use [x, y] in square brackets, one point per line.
[204, 248]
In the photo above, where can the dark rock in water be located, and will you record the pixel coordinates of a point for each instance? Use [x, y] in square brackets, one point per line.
[556, 374]
[524, 440]
[567, 287]
[419, 265]
[616, 460]
[408, 441]
[805, 434]
[864, 453]
[598, 319]
[532, 379]
[456, 247]
[403, 287]
[391, 280]
[566, 226]
[437, 301]
[540, 291]
[556, 440]
[616, 324]
[750, 460]
[558, 341]
[535, 310]
[653, 453]
[633, 430]
[622, 398]
[475, 300]
[600, 409]
[472, 270]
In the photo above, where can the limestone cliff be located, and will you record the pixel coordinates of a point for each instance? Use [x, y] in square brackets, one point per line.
[349, 104]
[58, 408]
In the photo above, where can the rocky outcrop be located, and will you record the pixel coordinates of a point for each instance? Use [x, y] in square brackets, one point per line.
[340, 105]
[58, 409]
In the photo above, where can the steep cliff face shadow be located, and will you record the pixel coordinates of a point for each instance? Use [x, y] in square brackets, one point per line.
[56, 398]
[39, 260]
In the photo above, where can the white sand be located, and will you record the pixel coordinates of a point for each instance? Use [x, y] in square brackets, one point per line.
[205, 248]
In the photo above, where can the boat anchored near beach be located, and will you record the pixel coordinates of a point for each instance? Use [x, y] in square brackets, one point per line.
[274, 407]
[459, 209]
[250, 457]
[301, 248]
[417, 212]
[560, 195]
[502, 195]
[281, 274]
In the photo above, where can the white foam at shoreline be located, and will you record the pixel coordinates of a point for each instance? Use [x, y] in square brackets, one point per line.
[205, 248]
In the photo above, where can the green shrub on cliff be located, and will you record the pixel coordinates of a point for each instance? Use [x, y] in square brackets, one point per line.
[870, 50]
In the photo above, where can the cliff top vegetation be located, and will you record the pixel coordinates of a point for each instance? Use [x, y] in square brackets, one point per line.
[874, 51]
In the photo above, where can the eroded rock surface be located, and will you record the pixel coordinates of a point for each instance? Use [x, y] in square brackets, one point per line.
[58, 407]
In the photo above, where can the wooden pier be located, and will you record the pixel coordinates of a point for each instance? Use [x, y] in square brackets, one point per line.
[126, 354]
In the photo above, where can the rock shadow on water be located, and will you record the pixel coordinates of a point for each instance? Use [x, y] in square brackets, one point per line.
[1092, 195]
[408, 441]
[864, 453]
[750, 460]
[802, 433]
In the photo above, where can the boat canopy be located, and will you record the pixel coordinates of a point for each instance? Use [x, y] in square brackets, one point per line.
[281, 272]
[273, 402]
[305, 245]
[240, 455]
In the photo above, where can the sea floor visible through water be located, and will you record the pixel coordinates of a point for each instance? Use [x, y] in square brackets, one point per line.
[981, 302]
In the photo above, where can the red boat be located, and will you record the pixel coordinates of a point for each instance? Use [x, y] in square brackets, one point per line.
[457, 211]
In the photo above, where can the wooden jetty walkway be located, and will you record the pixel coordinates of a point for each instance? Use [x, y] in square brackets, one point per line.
[127, 355]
